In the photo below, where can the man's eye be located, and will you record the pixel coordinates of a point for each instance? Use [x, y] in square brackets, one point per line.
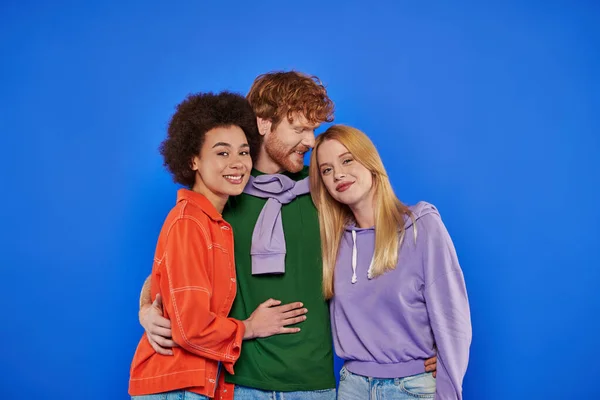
[223, 153]
[244, 153]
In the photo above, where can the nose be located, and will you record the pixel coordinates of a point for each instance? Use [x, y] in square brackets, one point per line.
[236, 163]
[309, 139]
[339, 176]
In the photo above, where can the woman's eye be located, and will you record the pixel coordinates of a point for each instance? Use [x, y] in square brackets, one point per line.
[326, 171]
[223, 153]
[347, 160]
[244, 153]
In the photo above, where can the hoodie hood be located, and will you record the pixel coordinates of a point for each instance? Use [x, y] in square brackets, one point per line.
[419, 210]
[353, 233]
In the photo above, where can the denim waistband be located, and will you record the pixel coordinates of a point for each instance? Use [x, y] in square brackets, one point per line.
[392, 370]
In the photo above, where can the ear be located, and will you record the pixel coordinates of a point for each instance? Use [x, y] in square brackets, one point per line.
[195, 163]
[264, 125]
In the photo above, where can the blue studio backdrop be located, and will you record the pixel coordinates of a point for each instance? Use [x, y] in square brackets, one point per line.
[489, 111]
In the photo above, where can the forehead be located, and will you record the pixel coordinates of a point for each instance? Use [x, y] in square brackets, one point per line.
[300, 121]
[232, 134]
[330, 150]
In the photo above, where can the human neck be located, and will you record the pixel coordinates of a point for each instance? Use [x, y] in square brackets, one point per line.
[364, 213]
[218, 201]
[364, 218]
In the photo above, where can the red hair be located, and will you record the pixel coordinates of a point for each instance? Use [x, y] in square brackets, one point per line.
[275, 95]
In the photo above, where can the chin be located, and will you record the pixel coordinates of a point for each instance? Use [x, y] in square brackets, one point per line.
[348, 199]
[235, 192]
[294, 166]
[345, 201]
[238, 189]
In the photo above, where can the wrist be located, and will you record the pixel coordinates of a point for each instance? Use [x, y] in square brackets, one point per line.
[144, 306]
[248, 333]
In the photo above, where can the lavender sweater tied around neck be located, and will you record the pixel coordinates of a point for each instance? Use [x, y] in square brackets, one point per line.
[268, 240]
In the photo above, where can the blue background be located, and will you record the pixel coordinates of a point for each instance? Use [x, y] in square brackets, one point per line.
[488, 111]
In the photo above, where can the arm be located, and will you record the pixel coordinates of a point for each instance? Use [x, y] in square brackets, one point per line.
[158, 328]
[448, 308]
[145, 294]
[268, 319]
[186, 291]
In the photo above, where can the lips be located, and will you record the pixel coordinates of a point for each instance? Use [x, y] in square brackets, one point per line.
[300, 151]
[234, 179]
[342, 187]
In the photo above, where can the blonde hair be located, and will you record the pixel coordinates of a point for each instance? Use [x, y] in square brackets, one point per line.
[390, 212]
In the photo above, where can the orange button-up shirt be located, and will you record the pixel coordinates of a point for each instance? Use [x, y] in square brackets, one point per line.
[194, 272]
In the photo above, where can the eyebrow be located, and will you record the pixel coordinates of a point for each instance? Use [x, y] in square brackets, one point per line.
[304, 126]
[228, 145]
[340, 156]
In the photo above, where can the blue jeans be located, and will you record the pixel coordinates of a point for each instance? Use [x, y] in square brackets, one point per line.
[174, 395]
[358, 387]
[246, 393]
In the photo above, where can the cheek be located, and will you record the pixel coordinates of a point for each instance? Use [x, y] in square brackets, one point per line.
[366, 178]
[210, 171]
[215, 166]
[291, 139]
[369, 180]
[329, 185]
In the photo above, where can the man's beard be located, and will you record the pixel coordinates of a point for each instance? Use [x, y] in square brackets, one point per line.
[278, 152]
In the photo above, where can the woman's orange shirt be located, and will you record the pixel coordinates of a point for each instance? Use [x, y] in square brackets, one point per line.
[194, 271]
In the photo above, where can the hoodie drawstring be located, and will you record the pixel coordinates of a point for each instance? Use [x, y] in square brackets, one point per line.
[355, 256]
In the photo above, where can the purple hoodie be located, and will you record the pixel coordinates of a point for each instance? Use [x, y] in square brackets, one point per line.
[388, 326]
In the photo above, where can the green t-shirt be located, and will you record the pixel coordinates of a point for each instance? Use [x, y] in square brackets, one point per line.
[287, 362]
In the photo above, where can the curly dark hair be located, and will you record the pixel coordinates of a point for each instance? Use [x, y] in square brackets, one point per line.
[196, 115]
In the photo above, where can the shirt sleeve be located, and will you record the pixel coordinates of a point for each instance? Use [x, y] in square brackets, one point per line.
[448, 307]
[187, 292]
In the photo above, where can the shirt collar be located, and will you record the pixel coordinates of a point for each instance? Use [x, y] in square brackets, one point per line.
[201, 201]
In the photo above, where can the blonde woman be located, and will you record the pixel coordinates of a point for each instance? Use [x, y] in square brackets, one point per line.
[397, 293]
